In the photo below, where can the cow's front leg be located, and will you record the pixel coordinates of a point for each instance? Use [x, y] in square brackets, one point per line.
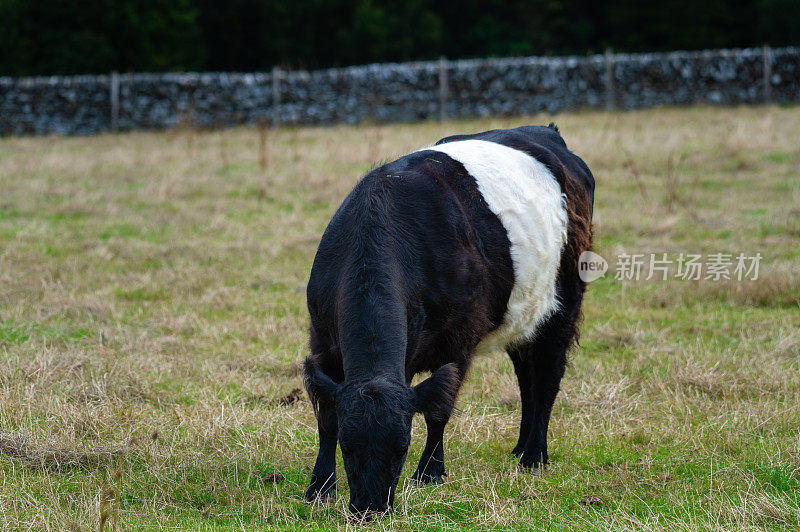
[323, 479]
[430, 469]
[431, 464]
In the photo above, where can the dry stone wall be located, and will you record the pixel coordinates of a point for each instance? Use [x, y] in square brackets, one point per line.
[397, 92]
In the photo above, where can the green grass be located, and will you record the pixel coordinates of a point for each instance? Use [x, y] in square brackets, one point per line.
[152, 315]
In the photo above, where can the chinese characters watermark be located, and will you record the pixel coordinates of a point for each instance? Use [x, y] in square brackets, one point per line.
[663, 266]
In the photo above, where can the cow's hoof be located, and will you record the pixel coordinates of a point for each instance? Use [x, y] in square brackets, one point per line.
[429, 477]
[533, 460]
[321, 492]
[517, 450]
[535, 469]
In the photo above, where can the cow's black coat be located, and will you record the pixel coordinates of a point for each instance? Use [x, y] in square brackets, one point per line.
[412, 272]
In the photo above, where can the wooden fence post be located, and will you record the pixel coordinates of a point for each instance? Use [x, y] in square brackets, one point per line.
[113, 88]
[609, 79]
[443, 89]
[767, 69]
[276, 96]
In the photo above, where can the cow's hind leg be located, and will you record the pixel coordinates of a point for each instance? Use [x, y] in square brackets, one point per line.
[323, 478]
[522, 367]
[540, 366]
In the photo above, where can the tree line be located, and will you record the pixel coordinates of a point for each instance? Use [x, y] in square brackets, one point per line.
[41, 37]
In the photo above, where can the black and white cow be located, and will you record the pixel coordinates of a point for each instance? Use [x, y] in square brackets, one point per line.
[463, 248]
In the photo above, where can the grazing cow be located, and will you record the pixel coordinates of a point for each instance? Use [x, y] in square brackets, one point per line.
[466, 247]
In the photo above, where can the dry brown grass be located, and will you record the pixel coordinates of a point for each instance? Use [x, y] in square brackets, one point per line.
[152, 320]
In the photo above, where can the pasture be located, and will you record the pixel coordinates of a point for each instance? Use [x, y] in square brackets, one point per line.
[152, 322]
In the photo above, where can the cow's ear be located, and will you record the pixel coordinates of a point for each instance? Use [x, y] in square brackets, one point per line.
[436, 395]
[320, 387]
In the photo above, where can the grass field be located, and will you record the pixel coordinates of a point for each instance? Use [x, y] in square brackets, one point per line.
[152, 316]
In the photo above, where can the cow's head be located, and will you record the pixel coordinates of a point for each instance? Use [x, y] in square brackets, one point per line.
[375, 427]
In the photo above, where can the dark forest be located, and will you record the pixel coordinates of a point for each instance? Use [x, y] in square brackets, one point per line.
[94, 36]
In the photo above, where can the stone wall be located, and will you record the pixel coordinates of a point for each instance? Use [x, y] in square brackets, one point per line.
[398, 92]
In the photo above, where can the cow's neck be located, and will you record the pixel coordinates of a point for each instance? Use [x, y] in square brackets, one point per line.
[369, 367]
